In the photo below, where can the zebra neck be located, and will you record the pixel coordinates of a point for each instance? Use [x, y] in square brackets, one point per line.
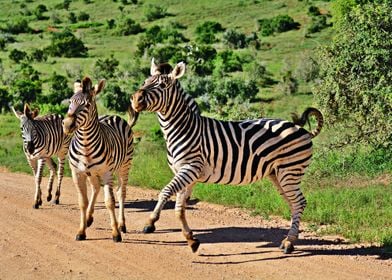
[92, 124]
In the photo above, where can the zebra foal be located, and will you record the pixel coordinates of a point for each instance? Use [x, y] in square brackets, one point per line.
[43, 138]
[201, 149]
[101, 147]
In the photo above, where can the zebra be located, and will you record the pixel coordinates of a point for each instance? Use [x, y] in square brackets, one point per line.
[202, 149]
[101, 147]
[43, 138]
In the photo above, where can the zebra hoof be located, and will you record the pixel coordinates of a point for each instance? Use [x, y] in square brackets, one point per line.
[49, 198]
[90, 221]
[287, 247]
[80, 237]
[117, 238]
[123, 229]
[149, 229]
[194, 244]
[37, 204]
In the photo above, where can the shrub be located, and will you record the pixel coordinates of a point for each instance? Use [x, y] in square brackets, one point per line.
[111, 23]
[318, 23]
[72, 17]
[58, 89]
[5, 99]
[167, 53]
[83, 16]
[25, 91]
[128, 26]
[259, 74]
[153, 12]
[205, 32]
[106, 68]
[356, 78]
[278, 24]
[38, 55]
[227, 61]
[46, 108]
[65, 44]
[55, 18]
[313, 11]
[234, 39]
[114, 98]
[17, 55]
[201, 59]
[288, 85]
[39, 11]
[16, 26]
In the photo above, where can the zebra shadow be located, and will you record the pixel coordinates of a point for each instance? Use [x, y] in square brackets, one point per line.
[148, 205]
[272, 237]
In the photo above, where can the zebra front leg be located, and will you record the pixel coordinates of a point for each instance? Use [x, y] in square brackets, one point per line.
[38, 179]
[52, 170]
[80, 185]
[95, 188]
[180, 214]
[60, 174]
[185, 177]
[121, 196]
[110, 205]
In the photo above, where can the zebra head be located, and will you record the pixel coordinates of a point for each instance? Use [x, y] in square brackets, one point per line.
[27, 127]
[156, 94]
[82, 108]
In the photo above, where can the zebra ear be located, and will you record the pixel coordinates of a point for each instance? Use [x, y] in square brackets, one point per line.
[17, 114]
[101, 85]
[154, 68]
[87, 85]
[178, 71]
[77, 86]
[34, 113]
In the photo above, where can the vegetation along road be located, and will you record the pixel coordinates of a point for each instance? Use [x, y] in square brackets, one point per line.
[39, 244]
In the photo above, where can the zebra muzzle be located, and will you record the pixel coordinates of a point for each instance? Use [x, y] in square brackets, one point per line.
[69, 125]
[138, 101]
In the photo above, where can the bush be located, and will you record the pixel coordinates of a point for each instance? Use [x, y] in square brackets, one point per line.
[114, 98]
[356, 77]
[318, 23]
[45, 108]
[83, 16]
[55, 18]
[25, 91]
[153, 12]
[313, 11]
[259, 74]
[234, 39]
[205, 32]
[288, 85]
[5, 99]
[128, 26]
[17, 55]
[16, 26]
[72, 17]
[278, 24]
[201, 59]
[39, 11]
[227, 61]
[58, 90]
[38, 55]
[106, 68]
[65, 44]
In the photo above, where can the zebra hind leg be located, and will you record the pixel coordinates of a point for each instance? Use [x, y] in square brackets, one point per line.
[287, 184]
[60, 174]
[121, 196]
[181, 198]
[110, 205]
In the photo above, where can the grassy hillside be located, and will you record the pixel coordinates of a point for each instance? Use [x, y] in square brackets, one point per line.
[355, 175]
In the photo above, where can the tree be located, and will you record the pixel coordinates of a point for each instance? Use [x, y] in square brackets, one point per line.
[26, 91]
[5, 98]
[39, 11]
[17, 55]
[355, 92]
[66, 44]
[106, 68]
[114, 98]
[58, 89]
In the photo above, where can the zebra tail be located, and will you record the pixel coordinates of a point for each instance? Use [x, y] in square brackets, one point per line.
[132, 116]
[301, 121]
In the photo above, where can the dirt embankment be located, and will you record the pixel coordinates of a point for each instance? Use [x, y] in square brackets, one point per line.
[39, 244]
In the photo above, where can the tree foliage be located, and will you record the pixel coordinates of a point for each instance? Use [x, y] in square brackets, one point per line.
[65, 44]
[355, 92]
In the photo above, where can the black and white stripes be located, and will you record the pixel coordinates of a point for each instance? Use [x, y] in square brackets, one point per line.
[43, 138]
[101, 147]
[202, 149]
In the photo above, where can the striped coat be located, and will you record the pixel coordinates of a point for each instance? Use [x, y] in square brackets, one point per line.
[43, 138]
[202, 149]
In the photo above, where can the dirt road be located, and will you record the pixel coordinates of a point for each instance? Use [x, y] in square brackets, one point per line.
[39, 244]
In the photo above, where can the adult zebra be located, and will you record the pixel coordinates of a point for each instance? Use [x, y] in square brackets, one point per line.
[202, 149]
[101, 147]
[43, 138]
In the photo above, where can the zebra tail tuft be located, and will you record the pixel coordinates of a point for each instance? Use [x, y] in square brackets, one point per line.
[132, 116]
[301, 121]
